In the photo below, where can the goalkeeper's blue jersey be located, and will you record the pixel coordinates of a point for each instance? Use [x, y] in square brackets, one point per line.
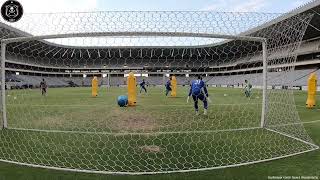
[198, 87]
[143, 83]
[168, 84]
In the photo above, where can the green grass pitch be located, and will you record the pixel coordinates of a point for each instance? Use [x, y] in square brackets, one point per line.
[73, 109]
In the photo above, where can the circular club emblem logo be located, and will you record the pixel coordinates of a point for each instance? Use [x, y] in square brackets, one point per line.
[11, 11]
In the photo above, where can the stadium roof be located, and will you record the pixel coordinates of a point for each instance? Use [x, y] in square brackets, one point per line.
[7, 31]
[313, 30]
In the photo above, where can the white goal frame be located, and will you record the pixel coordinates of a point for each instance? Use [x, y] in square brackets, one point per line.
[263, 42]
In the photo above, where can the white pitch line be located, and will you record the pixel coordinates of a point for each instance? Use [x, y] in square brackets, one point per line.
[160, 105]
[306, 107]
[169, 105]
[299, 106]
[295, 138]
[310, 122]
[155, 133]
[297, 123]
[137, 133]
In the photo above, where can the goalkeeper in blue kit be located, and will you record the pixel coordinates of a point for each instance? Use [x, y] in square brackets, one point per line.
[198, 91]
[143, 86]
[168, 86]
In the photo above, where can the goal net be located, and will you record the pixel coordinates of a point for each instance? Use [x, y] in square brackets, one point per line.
[246, 61]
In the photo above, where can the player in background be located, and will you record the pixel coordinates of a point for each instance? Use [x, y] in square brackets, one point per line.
[168, 86]
[143, 86]
[247, 88]
[198, 90]
[43, 87]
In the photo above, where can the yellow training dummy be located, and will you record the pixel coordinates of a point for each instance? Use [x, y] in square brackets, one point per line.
[132, 90]
[173, 86]
[312, 89]
[94, 86]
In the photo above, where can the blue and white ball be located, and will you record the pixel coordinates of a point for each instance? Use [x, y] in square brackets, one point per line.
[122, 101]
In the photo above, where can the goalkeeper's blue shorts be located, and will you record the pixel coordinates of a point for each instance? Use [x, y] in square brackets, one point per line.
[203, 98]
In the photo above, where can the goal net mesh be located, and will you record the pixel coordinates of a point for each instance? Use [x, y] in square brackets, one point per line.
[68, 129]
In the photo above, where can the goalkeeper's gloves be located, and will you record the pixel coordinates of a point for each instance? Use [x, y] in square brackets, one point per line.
[188, 99]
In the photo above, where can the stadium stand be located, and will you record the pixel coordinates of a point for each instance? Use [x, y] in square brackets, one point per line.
[297, 78]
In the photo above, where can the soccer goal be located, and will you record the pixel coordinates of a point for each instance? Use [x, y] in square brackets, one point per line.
[246, 61]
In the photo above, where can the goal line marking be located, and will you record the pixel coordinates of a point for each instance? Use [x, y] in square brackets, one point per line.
[306, 107]
[143, 133]
[295, 138]
[310, 122]
[161, 132]
[298, 123]
[94, 105]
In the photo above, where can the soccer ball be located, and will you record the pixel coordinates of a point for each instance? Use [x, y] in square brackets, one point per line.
[122, 101]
